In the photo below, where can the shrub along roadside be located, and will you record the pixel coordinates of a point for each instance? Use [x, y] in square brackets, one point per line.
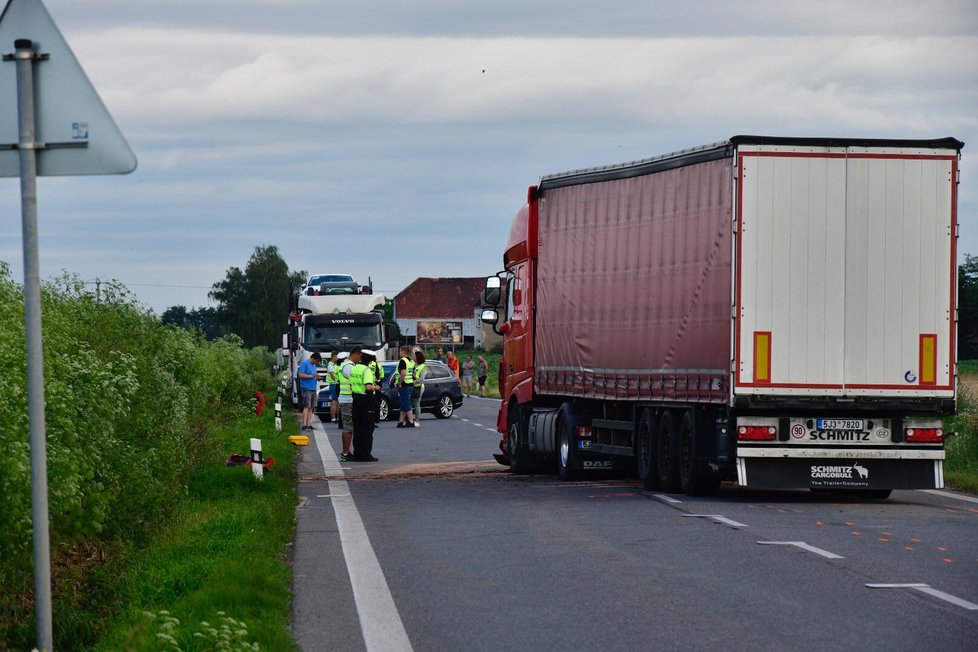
[961, 465]
[217, 573]
[130, 410]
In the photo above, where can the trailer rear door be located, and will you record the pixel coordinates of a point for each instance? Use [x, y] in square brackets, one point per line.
[846, 271]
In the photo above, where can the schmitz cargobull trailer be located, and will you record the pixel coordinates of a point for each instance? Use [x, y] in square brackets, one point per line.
[779, 311]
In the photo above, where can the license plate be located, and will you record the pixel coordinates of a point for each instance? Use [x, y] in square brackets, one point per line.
[323, 403]
[840, 424]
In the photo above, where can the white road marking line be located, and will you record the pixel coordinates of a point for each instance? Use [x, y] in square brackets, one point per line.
[478, 425]
[464, 419]
[331, 463]
[666, 499]
[970, 606]
[491, 429]
[380, 621]
[330, 495]
[948, 494]
[916, 585]
[803, 546]
[723, 520]
[926, 588]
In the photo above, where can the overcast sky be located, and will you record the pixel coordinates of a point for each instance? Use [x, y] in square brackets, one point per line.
[396, 139]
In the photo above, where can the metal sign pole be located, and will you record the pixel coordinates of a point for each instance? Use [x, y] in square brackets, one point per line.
[27, 145]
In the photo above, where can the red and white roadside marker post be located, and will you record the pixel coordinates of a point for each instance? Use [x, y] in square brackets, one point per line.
[257, 461]
[278, 415]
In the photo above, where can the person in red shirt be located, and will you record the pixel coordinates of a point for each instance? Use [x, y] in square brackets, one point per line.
[453, 363]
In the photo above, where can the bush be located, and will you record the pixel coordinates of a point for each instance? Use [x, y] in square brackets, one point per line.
[961, 467]
[128, 402]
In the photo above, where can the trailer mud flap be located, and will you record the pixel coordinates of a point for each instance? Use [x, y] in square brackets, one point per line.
[829, 473]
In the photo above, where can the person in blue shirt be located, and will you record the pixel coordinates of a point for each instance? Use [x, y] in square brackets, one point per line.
[308, 388]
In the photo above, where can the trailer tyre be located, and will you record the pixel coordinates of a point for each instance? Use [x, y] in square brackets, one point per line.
[667, 453]
[645, 450]
[694, 479]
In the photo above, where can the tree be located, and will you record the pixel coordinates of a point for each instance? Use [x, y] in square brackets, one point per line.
[176, 315]
[205, 320]
[968, 308]
[254, 303]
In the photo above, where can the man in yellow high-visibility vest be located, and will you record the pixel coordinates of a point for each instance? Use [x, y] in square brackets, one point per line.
[405, 384]
[361, 382]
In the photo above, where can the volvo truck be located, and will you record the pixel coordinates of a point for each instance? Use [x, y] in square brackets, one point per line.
[329, 322]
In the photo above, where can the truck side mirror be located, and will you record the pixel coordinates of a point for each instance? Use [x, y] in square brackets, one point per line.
[490, 317]
[491, 294]
[294, 339]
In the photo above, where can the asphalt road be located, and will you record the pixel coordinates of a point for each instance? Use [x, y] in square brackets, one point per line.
[437, 547]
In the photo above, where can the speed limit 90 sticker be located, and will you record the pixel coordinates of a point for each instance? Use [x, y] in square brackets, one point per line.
[798, 431]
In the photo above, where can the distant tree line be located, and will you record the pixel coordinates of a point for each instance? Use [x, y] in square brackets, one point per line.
[252, 303]
[968, 308]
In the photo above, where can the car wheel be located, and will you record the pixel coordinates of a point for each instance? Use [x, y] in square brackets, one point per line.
[445, 407]
[383, 409]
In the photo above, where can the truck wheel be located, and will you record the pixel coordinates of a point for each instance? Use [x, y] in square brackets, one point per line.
[694, 480]
[645, 450]
[383, 409]
[519, 455]
[667, 453]
[566, 453]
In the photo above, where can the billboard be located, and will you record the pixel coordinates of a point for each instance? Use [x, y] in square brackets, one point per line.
[440, 332]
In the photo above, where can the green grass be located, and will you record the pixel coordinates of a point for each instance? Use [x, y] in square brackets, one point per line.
[218, 575]
[961, 465]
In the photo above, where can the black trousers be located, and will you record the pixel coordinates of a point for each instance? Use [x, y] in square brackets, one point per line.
[363, 426]
[376, 406]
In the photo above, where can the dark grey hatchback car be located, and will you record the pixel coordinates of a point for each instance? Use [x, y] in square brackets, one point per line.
[442, 392]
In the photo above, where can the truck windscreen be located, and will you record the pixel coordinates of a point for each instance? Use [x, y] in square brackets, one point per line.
[326, 337]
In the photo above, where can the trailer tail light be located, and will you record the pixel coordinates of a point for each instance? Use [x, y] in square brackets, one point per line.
[757, 433]
[924, 435]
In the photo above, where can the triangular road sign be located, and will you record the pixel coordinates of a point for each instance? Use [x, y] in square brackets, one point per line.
[73, 124]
